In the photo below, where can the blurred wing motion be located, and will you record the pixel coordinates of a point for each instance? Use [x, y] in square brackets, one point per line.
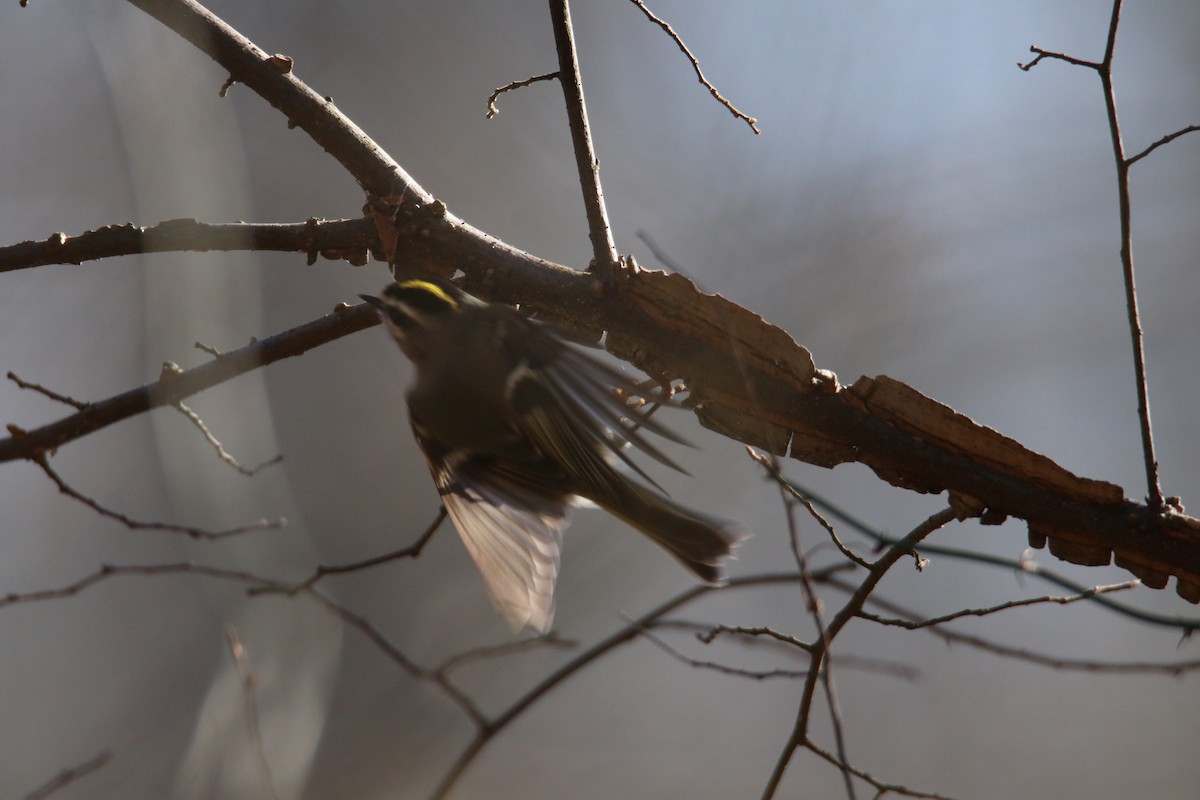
[513, 533]
[569, 413]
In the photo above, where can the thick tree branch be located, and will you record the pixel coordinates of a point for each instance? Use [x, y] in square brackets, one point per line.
[268, 76]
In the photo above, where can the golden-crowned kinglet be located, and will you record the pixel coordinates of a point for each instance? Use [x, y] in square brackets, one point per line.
[517, 424]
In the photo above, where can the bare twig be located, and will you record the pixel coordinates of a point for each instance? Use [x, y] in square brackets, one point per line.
[1020, 654]
[880, 787]
[42, 390]
[508, 87]
[1040, 54]
[385, 645]
[191, 415]
[710, 635]
[1170, 137]
[68, 776]
[246, 675]
[489, 731]
[1103, 68]
[354, 620]
[133, 524]
[799, 736]
[819, 667]
[604, 249]
[107, 571]
[1173, 668]
[772, 467]
[707, 634]
[720, 98]
[1154, 492]
[410, 551]
[983, 612]
[207, 348]
[477, 654]
[1021, 566]
[222, 453]
[170, 390]
[758, 675]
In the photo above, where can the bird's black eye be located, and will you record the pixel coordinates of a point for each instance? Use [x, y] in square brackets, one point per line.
[423, 297]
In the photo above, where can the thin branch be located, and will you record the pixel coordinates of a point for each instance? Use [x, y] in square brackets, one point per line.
[207, 348]
[984, 612]
[1170, 137]
[1154, 492]
[1172, 668]
[758, 675]
[485, 653]
[376, 637]
[819, 667]
[720, 98]
[191, 415]
[349, 240]
[133, 524]
[880, 788]
[68, 776]
[1079, 62]
[771, 465]
[171, 389]
[745, 637]
[1022, 566]
[711, 634]
[107, 571]
[357, 621]
[1110, 44]
[410, 551]
[487, 732]
[508, 87]
[1041, 659]
[215, 443]
[1154, 496]
[604, 249]
[249, 696]
[42, 390]
[860, 595]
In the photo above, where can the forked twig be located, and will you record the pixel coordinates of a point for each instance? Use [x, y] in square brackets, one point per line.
[1103, 68]
[133, 524]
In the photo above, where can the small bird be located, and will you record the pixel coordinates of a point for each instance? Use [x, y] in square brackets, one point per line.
[518, 425]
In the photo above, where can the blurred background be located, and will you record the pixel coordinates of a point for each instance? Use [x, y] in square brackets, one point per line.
[916, 206]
